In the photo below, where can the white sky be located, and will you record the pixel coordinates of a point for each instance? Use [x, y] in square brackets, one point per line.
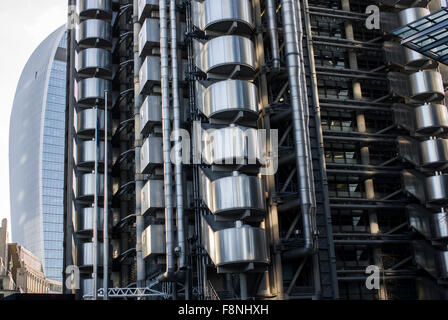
[24, 24]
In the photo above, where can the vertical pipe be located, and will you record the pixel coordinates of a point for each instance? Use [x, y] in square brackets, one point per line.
[166, 136]
[292, 52]
[304, 92]
[178, 158]
[139, 221]
[106, 204]
[273, 33]
[68, 166]
[243, 286]
[95, 213]
[317, 118]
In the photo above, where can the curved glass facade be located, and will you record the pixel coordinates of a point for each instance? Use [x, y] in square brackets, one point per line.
[36, 154]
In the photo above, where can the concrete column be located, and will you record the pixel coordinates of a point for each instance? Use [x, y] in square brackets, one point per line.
[365, 153]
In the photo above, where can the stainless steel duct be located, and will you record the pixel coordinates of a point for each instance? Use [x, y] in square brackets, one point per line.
[273, 32]
[177, 140]
[166, 134]
[292, 52]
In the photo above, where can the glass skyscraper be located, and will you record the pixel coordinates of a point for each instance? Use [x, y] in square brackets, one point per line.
[36, 154]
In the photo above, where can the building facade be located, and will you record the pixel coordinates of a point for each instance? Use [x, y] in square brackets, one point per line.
[36, 154]
[20, 270]
[358, 185]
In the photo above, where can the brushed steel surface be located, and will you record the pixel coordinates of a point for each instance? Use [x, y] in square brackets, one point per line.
[223, 16]
[225, 56]
[85, 186]
[409, 15]
[426, 86]
[233, 194]
[92, 62]
[152, 196]
[233, 145]
[224, 100]
[153, 241]
[151, 154]
[239, 245]
[90, 91]
[84, 152]
[150, 113]
[83, 219]
[96, 9]
[94, 33]
[85, 254]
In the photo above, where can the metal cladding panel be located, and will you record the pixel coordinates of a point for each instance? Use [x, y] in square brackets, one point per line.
[153, 241]
[100, 9]
[433, 226]
[83, 219]
[151, 154]
[434, 153]
[84, 152]
[86, 285]
[94, 62]
[404, 117]
[241, 245]
[426, 86]
[233, 194]
[85, 121]
[223, 16]
[149, 37]
[434, 261]
[233, 145]
[152, 196]
[149, 74]
[145, 7]
[414, 184]
[431, 118]
[437, 189]
[85, 185]
[91, 91]
[234, 246]
[94, 33]
[428, 289]
[409, 15]
[425, 257]
[414, 59]
[408, 149]
[85, 254]
[226, 99]
[150, 113]
[424, 120]
[225, 56]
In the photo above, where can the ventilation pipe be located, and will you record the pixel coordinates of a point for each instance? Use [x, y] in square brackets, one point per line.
[301, 138]
[178, 158]
[139, 221]
[273, 33]
[166, 136]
